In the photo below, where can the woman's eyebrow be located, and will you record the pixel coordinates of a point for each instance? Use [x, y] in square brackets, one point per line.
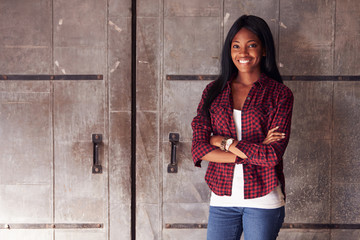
[252, 40]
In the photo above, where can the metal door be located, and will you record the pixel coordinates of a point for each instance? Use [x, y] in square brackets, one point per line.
[47, 187]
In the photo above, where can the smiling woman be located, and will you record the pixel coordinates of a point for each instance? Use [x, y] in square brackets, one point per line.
[242, 128]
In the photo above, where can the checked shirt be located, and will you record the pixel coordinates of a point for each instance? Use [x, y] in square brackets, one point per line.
[268, 104]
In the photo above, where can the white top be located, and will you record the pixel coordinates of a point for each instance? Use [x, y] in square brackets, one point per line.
[274, 199]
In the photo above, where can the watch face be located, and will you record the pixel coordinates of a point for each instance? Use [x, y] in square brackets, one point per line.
[228, 143]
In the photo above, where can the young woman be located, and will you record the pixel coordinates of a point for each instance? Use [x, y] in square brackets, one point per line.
[242, 128]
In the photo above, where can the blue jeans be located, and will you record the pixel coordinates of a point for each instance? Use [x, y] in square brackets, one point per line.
[228, 223]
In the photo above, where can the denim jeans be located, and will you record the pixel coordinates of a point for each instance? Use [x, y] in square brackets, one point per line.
[228, 223]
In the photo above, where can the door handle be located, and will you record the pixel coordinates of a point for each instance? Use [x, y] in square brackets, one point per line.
[97, 140]
[174, 139]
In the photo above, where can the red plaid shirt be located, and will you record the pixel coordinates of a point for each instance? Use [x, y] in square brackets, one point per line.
[268, 104]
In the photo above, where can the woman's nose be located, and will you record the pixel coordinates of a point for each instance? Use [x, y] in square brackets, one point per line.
[243, 50]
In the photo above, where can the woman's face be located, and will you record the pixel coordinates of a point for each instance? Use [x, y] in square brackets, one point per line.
[247, 51]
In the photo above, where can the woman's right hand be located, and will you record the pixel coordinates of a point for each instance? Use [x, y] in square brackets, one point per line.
[273, 136]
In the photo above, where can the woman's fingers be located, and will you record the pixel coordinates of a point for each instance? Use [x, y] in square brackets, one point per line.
[273, 129]
[273, 136]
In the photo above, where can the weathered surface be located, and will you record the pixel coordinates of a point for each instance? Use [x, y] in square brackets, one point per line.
[80, 23]
[119, 72]
[192, 8]
[300, 234]
[78, 113]
[347, 30]
[25, 41]
[119, 69]
[345, 234]
[30, 234]
[46, 126]
[148, 64]
[192, 45]
[346, 151]
[306, 48]
[25, 146]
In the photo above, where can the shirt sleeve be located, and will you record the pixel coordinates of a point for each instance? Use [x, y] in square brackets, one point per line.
[271, 154]
[202, 130]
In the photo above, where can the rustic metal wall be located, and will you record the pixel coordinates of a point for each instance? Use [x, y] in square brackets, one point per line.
[45, 150]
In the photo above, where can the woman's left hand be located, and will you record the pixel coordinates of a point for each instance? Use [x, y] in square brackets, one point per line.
[273, 136]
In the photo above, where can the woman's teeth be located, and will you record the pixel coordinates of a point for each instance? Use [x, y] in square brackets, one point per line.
[244, 61]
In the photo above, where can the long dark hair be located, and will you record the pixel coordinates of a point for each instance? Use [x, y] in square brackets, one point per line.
[228, 69]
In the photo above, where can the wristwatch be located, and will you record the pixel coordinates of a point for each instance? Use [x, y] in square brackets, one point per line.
[226, 143]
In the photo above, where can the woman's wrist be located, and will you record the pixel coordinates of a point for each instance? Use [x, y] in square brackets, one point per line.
[232, 147]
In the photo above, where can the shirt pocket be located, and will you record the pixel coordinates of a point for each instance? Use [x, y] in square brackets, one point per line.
[258, 116]
[219, 119]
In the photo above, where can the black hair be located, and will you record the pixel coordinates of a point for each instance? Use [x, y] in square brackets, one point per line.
[228, 69]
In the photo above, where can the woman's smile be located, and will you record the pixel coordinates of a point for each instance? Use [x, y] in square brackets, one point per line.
[243, 61]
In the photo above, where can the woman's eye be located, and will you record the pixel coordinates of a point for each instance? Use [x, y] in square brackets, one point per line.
[235, 46]
[253, 45]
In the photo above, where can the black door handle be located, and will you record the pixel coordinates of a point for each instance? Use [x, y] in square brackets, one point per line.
[97, 140]
[174, 139]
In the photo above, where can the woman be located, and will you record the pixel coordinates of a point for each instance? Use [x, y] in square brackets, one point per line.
[242, 128]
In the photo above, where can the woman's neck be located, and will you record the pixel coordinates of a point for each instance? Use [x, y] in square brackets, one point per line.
[247, 78]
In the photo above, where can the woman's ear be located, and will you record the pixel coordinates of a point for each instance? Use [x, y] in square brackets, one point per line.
[264, 52]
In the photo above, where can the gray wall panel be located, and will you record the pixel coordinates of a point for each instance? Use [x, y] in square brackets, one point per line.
[148, 62]
[119, 61]
[346, 141]
[25, 60]
[306, 37]
[192, 45]
[312, 112]
[299, 234]
[307, 173]
[76, 60]
[25, 40]
[119, 175]
[347, 40]
[80, 235]
[26, 152]
[192, 8]
[120, 155]
[180, 101]
[148, 221]
[345, 234]
[346, 137]
[147, 164]
[25, 23]
[78, 113]
[80, 23]
[149, 9]
[30, 234]
[120, 8]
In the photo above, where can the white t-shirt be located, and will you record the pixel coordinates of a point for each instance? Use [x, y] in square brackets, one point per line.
[274, 199]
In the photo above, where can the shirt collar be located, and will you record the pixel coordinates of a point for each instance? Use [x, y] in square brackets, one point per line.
[262, 81]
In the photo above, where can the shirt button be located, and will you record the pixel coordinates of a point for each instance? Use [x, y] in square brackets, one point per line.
[248, 98]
